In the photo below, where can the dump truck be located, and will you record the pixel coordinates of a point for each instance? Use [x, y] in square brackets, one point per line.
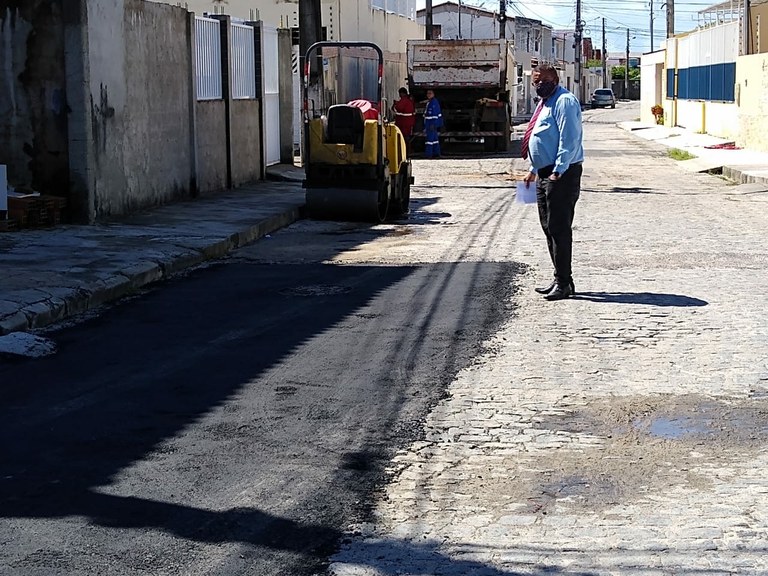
[474, 81]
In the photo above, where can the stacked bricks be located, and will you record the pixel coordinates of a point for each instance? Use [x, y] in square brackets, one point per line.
[34, 212]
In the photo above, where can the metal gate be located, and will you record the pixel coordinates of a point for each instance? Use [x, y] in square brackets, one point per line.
[270, 95]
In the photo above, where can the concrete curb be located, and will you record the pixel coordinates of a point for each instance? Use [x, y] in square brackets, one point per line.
[741, 172]
[67, 303]
[744, 177]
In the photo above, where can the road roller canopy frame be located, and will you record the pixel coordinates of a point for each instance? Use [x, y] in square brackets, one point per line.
[356, 164]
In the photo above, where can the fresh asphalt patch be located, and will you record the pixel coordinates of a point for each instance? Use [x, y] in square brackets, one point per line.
[235, 421]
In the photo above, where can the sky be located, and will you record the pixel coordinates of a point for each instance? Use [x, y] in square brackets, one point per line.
[619, 15]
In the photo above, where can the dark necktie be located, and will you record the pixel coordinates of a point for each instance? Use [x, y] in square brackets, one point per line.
[529, 130]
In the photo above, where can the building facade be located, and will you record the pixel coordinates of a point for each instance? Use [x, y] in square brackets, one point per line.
[388, 23]
[713, 79]
[532, 40]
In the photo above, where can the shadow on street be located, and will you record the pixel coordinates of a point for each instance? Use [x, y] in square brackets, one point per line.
[646, 298]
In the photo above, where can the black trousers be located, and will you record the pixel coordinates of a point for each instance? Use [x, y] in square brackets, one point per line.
[557, 204]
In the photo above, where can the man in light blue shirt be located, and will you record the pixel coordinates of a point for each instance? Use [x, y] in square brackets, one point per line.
[553, 143]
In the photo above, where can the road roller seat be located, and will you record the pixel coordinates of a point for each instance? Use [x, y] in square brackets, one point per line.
[346, 125]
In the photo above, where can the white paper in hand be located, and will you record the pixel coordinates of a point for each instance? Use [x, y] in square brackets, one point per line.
[526, 194]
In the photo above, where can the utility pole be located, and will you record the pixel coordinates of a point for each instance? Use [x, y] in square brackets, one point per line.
[746, 25]
[652, 42]
[430, 28]
[670, 18]
[459, 19]
[577, 47]
[310, 31]
[310, 24]
[626, 70]
[605, 58]
[502, 19]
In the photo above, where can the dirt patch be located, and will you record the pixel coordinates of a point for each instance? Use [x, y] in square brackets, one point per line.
[621, 450]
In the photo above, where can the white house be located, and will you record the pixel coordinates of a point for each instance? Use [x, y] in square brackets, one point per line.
[533, 40]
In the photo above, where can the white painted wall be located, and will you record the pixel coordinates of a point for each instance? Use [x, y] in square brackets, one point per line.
[652, 90]
[344, 19]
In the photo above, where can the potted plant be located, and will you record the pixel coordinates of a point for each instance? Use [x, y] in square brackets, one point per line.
[658, 113]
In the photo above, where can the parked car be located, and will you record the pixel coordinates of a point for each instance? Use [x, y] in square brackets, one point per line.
[603, 97]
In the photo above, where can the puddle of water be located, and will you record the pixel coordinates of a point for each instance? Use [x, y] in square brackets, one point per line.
[674, 428]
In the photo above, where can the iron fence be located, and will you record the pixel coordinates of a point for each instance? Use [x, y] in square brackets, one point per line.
[243, 62]
[208, 58]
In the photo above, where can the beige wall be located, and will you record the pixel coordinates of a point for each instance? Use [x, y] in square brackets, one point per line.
[714, 118]
[752, 98]
[758, 33]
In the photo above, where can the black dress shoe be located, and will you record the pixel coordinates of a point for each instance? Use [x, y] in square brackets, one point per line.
[560, 293]
[548, 289]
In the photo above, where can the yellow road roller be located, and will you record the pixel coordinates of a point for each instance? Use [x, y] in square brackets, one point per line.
[356, 166]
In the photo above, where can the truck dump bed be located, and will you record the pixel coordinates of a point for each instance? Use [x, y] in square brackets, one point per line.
[454, 63]
[471, 81]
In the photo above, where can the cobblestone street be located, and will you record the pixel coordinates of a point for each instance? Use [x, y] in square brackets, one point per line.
[624, 431]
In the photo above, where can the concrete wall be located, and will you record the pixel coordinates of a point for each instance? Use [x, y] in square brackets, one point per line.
[97, 103]
[33, 104]
[211, 146]
[752, 99]
[715, 118]
[139, 69]
[633, 92]
[246, 141]
[287, 103]
[758, 31]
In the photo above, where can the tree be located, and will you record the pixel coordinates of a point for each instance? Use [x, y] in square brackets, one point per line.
[617, 73]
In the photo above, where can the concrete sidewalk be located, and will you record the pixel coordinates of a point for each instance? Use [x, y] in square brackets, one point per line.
[52, 274]
[743, 166]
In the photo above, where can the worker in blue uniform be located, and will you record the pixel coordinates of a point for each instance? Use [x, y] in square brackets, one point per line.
[433, 121]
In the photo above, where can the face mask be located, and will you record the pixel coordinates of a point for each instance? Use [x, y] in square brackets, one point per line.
[545, 88]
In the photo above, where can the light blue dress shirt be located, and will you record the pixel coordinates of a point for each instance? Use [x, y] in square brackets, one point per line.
[557, 137]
